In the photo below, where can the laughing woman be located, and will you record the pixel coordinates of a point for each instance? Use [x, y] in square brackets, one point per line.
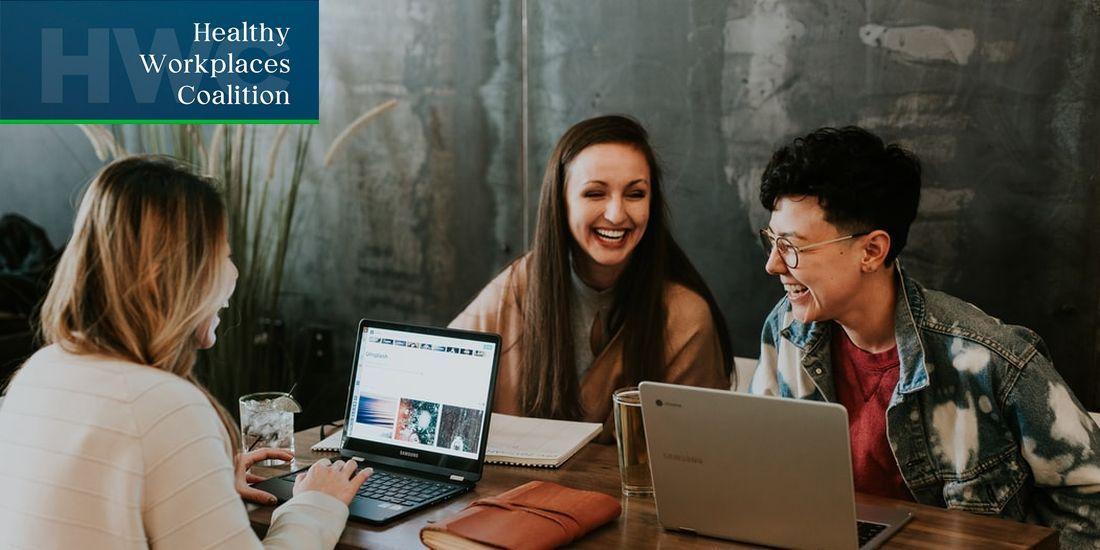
[605, 298]
[107, 440]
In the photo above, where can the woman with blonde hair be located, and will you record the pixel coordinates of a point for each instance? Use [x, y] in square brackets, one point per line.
[107, 440]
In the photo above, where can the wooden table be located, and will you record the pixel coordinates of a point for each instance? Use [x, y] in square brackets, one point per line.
[596, 468]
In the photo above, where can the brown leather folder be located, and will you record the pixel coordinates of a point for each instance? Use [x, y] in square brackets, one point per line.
[533, 516]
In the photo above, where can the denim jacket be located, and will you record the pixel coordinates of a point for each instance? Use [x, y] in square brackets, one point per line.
[979, 421]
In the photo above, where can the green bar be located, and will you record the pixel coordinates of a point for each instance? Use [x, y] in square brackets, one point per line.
[158, 121]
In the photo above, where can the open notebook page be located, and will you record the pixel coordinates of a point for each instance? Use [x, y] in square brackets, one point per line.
[536, 441]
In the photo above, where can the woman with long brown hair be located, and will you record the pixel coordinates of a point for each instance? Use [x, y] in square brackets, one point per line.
[107, 440]
[605, 298]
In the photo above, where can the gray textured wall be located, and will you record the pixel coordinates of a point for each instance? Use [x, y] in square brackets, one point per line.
[1001, 101]
[41, 171]
[421, 207]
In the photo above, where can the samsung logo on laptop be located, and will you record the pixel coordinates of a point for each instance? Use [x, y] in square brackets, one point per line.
[409, 454]
[683, 458]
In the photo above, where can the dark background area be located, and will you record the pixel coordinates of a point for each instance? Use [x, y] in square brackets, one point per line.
[1000, 100]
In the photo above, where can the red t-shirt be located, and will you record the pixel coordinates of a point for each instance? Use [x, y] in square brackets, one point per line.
[864, 384]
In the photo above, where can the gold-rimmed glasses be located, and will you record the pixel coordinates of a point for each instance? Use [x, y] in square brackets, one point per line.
[788, 252]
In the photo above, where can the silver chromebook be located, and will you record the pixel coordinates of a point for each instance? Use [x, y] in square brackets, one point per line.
[761, 470]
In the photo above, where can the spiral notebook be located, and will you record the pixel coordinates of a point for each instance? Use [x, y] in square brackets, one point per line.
[520, 441]
[538, 442]
[330, 444]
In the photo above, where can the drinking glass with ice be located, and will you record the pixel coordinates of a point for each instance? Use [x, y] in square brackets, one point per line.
[267, 420]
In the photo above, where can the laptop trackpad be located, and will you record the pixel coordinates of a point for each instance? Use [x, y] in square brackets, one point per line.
[372, 509]
[366, 508]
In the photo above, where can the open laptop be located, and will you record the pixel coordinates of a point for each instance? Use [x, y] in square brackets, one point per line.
[763, 470]
[418, 413]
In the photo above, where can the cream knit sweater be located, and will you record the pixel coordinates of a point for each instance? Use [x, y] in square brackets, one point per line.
[101, 453]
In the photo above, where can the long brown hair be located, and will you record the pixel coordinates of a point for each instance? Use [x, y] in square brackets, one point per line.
[140, 275]
[549, 386]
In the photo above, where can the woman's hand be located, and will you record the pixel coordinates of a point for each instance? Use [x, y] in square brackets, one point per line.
[337, 479]
[244, 461]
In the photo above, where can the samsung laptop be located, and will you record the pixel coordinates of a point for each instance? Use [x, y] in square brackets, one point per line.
[418, 413]
[762, 470]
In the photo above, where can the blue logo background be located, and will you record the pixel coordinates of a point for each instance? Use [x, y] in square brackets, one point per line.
[78, 60]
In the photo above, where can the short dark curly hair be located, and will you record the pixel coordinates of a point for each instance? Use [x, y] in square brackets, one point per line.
[861, 183]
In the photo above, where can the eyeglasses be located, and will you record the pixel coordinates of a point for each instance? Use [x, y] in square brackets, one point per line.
[789, 252]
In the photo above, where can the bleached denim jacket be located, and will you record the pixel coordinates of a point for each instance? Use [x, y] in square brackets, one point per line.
[979, 421]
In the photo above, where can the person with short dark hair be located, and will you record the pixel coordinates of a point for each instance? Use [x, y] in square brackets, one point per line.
[947, 405]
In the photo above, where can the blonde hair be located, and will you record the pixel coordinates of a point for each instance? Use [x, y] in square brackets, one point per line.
[140, 275]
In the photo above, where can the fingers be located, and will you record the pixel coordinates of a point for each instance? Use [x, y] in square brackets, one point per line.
[348, 468]
[362, 476]
[323, 463]
[281, 454]
[253, 478]
[252, 457]
[252, 494]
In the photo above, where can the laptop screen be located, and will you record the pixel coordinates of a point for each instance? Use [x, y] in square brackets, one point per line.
[422, 394]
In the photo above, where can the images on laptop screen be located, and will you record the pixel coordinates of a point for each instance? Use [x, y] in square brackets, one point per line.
[421, 391]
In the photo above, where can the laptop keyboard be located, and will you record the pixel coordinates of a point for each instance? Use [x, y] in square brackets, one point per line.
[868, 531]
[403, 490]
[399, 489]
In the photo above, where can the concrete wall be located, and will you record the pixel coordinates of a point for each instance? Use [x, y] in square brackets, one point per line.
[999, 100]
[420, 208]
[430, 200]
[42, 169]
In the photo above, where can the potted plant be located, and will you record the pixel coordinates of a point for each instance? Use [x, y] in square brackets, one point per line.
[261, 195]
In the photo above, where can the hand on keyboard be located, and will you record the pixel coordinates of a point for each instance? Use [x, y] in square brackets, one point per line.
[338, 479]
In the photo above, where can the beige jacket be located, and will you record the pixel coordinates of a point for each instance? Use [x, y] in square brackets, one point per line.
[693, 352]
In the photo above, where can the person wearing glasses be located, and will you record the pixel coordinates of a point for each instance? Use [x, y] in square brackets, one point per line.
[947, 406]
[606, 298]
